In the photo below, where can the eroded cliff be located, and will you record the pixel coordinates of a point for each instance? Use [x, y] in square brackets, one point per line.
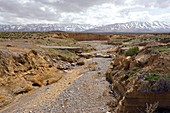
[21, 72]
[139, 81]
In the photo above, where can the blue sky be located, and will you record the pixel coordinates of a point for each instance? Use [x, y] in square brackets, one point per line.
[95, 12]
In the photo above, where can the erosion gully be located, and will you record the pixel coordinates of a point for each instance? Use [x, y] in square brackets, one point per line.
[81, 90]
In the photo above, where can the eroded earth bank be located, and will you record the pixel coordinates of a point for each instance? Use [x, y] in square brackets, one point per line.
[53, 73]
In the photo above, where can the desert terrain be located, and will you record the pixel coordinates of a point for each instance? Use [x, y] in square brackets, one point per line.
[59, 72]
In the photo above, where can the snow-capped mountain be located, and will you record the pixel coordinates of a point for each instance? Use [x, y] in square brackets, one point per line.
[134, 27]
[45, 27]
[129, 27]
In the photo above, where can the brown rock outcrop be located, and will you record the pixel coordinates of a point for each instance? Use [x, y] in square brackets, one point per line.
[21, 72]
[130, 86]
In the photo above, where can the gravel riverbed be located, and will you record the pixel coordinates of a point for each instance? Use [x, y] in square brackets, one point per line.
[89, 93]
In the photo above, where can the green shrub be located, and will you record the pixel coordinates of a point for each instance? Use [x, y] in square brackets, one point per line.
[65, 55]
[133, 71]
[156, 83]
[152, 77]
[163, 49]
[118, 41]
[132, 51]
[155, 77]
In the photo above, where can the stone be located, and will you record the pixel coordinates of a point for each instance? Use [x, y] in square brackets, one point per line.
[80, 63]
[142, 59]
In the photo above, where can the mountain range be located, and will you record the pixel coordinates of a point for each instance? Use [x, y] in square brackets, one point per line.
[129, 27]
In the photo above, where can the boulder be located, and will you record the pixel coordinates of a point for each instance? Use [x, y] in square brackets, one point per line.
[142, 59]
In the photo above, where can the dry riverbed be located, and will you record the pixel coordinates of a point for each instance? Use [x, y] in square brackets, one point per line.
[81, 90]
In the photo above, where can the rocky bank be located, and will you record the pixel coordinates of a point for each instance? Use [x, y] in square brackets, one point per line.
[21, 72]
[140, 83]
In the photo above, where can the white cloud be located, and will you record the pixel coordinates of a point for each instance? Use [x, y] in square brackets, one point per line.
[110, 13]
[139, 16]
[96, 12]
[162, 17]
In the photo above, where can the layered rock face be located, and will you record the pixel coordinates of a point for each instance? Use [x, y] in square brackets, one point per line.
[21, 72]
[141, 80]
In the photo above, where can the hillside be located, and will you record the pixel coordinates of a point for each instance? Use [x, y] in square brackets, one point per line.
[129, 27]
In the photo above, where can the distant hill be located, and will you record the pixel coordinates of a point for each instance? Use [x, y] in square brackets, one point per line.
[134, 27]
[45, 27]
[129, 27]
